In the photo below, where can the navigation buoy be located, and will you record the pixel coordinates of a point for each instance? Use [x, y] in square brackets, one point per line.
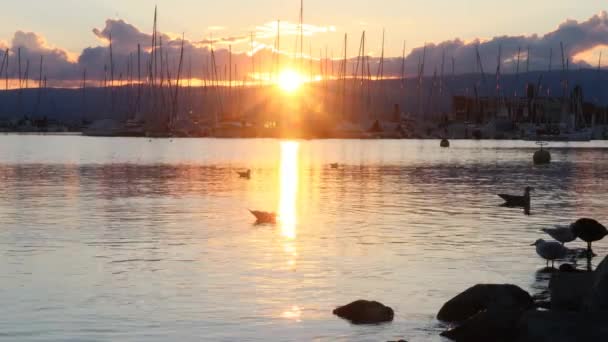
[445, 143]
[542, 156]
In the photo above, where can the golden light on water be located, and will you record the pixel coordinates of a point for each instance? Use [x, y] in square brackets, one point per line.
[293, 314]
[289, 188]
[290, 81]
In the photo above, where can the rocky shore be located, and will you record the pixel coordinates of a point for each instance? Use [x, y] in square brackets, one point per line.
[577, 311]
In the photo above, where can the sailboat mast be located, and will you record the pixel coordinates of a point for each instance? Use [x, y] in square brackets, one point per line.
[528, 60]
[84, 95]
[26, 75]
[301, 33]
[420, 77]
[442, 71]
[153, 52]
[177, 82]
[20, 81]
[343, 76]
[498, 65]
[403, 66]
[19, 68]
[252, 58]
[6, 68]
[3, 62]
[310, 62]
[564, 81]
[380, 73]
[39, 83]
[230, 71]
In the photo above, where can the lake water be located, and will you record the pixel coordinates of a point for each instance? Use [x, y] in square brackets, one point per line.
[112, 239]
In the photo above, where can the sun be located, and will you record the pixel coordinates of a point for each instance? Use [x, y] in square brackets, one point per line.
[289, 81]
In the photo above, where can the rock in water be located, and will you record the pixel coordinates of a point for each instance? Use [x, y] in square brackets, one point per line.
[365, 312]
[562, 326]
[485, 297]
[569, 290]
[490, 325]
[597, 299]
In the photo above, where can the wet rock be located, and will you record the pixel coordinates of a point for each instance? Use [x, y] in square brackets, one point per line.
[365, 312]
[569, 268]
[597, 298]
[561, 326]
[491, 325]
[543, 304]
[569, 290]
[485, 297]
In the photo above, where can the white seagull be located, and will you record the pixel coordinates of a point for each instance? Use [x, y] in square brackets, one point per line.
[550, 250]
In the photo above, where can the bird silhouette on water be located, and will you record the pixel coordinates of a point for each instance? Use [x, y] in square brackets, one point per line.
[264, 217]
[589, 230]
[563, 234]
[334, 165]
[550, 250]
[517, 201]
[244, 174]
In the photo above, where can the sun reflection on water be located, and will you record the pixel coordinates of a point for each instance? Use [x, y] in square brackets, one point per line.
[289, 189]
[295, 313]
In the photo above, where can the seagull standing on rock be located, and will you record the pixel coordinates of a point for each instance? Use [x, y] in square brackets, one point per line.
[550, 250]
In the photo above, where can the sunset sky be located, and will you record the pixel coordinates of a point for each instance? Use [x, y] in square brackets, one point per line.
[68, 23]
[73, 35]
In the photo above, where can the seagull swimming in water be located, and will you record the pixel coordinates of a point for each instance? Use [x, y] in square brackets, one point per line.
[517, 201]
[264, 217]
[334, 165]
[562, 234]
[245, 174]
[550, 250]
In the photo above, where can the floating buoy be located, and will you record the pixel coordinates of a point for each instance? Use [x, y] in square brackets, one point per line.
[445, 143]
[542, 156]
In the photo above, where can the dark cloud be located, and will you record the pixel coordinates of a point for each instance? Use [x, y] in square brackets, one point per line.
[31, 46]
[576, 38]
[124, 36]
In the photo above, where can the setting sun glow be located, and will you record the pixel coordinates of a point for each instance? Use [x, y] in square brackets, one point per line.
[290, 81]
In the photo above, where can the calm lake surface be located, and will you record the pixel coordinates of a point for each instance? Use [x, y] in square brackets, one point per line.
[112, 239]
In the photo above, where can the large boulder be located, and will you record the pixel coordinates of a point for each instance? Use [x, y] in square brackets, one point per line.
[562, 326]
[597, 298]
[481, 297]
[365, 312]
[569, 290]
[488, 325]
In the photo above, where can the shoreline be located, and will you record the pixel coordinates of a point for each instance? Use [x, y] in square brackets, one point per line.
[159, 136]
